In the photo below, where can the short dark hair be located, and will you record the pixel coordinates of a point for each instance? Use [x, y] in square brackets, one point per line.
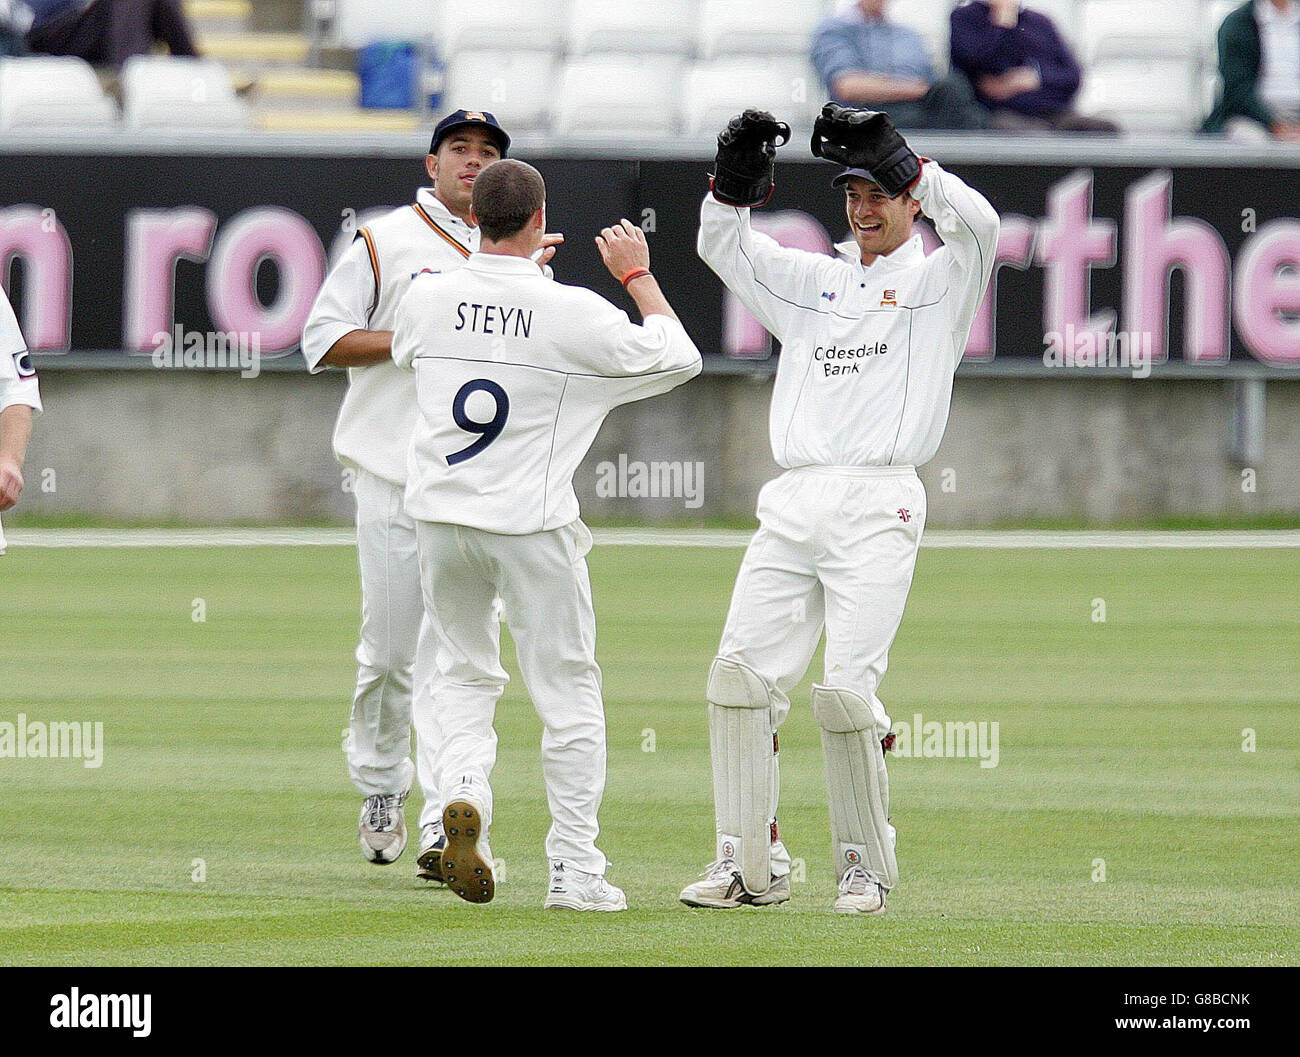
[506, 194]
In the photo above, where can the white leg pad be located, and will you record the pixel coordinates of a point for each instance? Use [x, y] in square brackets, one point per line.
[744, 769]
[857, 784]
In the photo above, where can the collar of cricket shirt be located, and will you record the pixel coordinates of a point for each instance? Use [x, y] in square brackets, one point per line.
[503, 263]
[909, 253]
[432, 205]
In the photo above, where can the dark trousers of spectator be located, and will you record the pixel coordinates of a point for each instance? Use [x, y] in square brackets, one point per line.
[1066, 121]
[949, 104]
[110, 31]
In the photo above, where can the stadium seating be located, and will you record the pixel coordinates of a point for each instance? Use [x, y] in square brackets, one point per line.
[930, 19]
[617, 25]
[1151, 29]
[498, 25]
[157, 88]
[757, 27]
[46, 92]
[717, 91]
[1144, 95]
[619, 97]
[517, 86]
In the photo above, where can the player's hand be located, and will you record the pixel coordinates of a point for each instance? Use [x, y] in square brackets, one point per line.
[742, 168]
[11, 483]
[547, 254]
[866, 139]
[623, 248]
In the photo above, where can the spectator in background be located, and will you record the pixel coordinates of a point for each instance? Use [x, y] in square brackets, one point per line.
[108, 32]
[865, 60]
[1021, 68]
[1259, 61]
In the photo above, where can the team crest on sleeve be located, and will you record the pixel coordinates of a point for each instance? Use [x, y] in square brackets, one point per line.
[889, 299]
[23, 364]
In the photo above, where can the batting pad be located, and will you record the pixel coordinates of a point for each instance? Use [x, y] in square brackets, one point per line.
[744, 770]
[857, 784]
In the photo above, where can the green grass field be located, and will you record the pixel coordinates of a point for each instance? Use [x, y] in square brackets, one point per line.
[1119, 742]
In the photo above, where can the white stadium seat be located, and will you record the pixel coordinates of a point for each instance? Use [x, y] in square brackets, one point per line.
[1153, 28]
[1212, 15]
[718, 91]
[619, 96]
[162, 91]
[537, 25]
[1144, 95]
[361, 22]
[518, 87]
[46, 92]
[632, 26]
[757, 27]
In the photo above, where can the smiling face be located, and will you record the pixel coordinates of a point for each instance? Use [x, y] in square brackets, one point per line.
[880, 224]
[461, 156]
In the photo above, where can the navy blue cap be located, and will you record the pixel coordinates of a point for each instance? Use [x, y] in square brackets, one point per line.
[468, 119]
[863, 174]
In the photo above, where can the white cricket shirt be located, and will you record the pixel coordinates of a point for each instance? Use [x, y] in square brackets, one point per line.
[514, 375]
[18, 384]
[362, 292]
[867, 352]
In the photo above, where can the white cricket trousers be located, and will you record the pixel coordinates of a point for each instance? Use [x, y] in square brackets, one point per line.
[835, 548]
[542, 581]
[394, 668]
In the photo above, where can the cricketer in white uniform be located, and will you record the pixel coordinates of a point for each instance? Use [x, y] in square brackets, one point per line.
[515, 375]
[20, 400]
[350, 325]
[870, 340]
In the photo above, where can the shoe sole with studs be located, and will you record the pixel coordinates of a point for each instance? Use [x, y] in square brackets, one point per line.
[464, 870]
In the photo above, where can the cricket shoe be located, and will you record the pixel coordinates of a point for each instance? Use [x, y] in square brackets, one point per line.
[575, 890]
[466, 861]
[722, 889]
[381, 831]
[860, 893]
[432, 843]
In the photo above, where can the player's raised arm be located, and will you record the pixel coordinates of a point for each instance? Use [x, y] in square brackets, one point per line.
[774, 282]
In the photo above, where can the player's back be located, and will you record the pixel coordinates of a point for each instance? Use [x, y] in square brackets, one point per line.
[514, 375]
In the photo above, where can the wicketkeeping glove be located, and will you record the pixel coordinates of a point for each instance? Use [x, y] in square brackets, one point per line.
[866, 139]
[742, 172]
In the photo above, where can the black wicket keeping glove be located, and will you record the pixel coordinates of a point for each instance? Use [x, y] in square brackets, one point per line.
[866, 139]
[742, 170]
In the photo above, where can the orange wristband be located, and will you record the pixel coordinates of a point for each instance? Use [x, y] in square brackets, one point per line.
[635, 273]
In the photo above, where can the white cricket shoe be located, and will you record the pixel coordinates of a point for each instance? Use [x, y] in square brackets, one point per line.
[466, 860]
[860, 893]
[575, 890]
[722, 889]
[432, 843]
[381, 831]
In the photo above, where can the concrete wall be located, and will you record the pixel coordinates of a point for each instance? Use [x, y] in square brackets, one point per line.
[195, 446]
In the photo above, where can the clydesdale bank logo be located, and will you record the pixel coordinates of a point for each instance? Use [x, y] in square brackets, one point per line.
[75, 1010]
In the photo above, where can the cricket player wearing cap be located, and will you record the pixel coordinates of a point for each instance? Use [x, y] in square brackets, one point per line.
[515, 375]
[350, 326]
[20, 399]
[870, 340]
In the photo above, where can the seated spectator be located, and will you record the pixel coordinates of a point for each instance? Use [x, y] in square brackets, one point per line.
[866, 60]
[108, 32]
[1022, 70]
[1259, 62]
